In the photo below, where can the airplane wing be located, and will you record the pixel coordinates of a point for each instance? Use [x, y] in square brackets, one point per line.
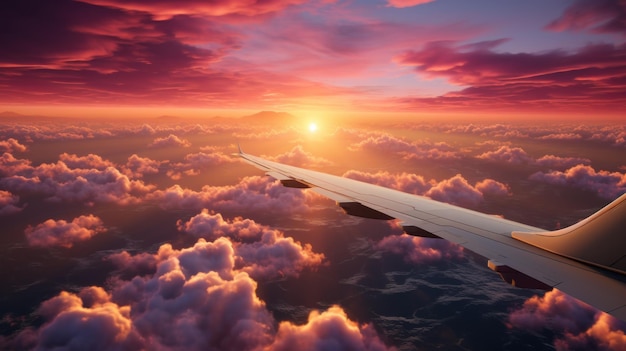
[591, 267]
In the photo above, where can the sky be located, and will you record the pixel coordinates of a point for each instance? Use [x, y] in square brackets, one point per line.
[127, 224]
[408, 57]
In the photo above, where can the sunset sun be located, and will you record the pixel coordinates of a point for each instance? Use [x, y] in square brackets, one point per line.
[312, 127]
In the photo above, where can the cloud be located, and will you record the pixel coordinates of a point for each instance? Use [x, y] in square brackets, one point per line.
[517, 156]
[417, 250]
[85, 162]
[608, 185]
[170, 140]
[250, 194]
[329, 330]
[298, 157]
[11, 145]
[137, 166]
[63, 233]
[86, 179]
[600, 16]
[386, 143]
[581, 80]
[577, 325]
[492, 187]
[260, 251]
[455, 190]
[406, 3]
[8, 203]
[507, 154]
[9, 165]
[196, 162]
[194, 299]
[165, 10]
[407, 182]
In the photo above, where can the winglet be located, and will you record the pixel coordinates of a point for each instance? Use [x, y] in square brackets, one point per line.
[598, 240]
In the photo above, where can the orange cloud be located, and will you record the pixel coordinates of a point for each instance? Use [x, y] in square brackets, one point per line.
[63, 233]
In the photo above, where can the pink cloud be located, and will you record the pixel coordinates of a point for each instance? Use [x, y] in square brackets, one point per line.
[419, 250]
[195, 299]
[406, 3]
[85, 162]
[170, 140]
[331, 329]
[8, 203]
[517, 156]
[577, 325]
[386, 143]
[513, 155]
[63, 233]
[407, 182]
[196, 162]
[492, 187]
[137, 166]
[551, 161]
[260, 251]
[581, 80]
[455, 190]
[251, 193]
[11, 145]
[608, 185]
[9, 165]
[298, 157]
[98, 181]
[166, 10]
[601, 16]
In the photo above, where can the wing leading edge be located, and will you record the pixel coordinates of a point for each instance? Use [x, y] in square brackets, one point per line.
[524, 256]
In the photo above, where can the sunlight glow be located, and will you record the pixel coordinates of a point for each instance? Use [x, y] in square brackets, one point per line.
[312, 127]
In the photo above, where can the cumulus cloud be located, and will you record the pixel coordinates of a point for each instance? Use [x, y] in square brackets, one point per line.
[298, 157]
[8, 203]
[517, 156]
[85, 162]
[513, 155]
[608, 185]
[9, 165]
[194, 299]
[11, 145]
[577, 325]
[170, 140]
[387, 143]
[85, 179]
[138, 166]
[419, 250]
[331, 329]
[250, 194]
[456, 190]
[196, 162]
[407, 182]
[260, 251]
[63, 233]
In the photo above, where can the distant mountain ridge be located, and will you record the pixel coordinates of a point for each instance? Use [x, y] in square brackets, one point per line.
[270, 117]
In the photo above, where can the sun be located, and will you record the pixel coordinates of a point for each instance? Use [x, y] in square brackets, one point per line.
[312, 127]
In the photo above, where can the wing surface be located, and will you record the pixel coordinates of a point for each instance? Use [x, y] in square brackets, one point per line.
[519, 263]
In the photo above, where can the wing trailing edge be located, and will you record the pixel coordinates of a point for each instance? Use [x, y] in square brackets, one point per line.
[523, 255]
